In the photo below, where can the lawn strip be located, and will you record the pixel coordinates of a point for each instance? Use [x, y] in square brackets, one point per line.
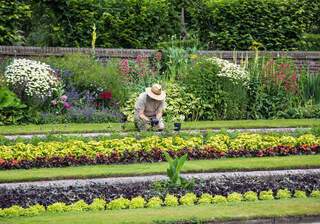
[220, 212]
[116, 127]
[139, 169]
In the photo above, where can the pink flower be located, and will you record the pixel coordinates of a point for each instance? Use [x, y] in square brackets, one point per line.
[124, 66]
[66, 105]
[54, 102]
[158, 56]
[64, 98]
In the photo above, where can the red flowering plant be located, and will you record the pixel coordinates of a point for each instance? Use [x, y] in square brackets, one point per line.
[140, 68]
[104, 98]
[280, 75]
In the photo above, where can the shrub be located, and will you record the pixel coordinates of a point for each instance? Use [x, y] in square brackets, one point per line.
[154, 202]
[171, 200]
[219, 199]
[266, 195]
[188, 199]
[79, 206]
[205, 199]
[137, 202]
[299, 194]
[234, 197]
[283, 194]
[119, 203]
[14, 210]
[97, 204]
[32, 81]
[58, 207]
[315, 194]
[34, 210]
[250, 196]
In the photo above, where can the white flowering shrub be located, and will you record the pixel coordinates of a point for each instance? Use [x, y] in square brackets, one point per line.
[231, 70]
[31, 80]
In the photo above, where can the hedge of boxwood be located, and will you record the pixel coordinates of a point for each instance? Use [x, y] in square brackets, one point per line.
[223, 24]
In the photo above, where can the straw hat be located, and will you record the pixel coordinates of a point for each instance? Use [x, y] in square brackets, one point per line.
[156, 92]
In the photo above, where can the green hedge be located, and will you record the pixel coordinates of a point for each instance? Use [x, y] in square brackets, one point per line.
[220, 24]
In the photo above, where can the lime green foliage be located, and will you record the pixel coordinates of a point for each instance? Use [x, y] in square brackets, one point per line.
[22, 151]
[58, 207]
[300, 194]
[283, 194]
[89, 74]
[205, 199]
[266, 195]
[79, 206]
[234, 197]
[34, 210]
[250, 196]
[217, 212]
[171, 200]
[14, 210]
[137, 202]
[219, 199]
[315, 194]
[188, 199]
[196, 166]
[97, 204]
[119, 203]
[154, 202]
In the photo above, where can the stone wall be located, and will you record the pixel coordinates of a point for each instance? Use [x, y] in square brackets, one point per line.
[307, 58]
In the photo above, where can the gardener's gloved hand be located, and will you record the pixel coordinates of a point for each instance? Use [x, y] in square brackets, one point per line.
[154, 121]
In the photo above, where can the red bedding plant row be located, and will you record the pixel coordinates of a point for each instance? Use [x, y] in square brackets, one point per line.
[155, 155]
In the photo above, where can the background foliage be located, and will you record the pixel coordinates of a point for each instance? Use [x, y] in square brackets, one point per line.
[219, 24]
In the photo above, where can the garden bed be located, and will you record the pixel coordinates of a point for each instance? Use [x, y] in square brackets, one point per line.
[69, 191]
[186, 214]
[151, 149]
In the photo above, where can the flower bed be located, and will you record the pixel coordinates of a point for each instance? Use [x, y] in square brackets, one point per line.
[150, 149]
[109, 189]
[188, 199]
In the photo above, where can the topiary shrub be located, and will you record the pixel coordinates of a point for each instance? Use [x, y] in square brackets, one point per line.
[315, 194]
[217, 199]
[188, 199]
[234, 197]
[154, 202]
[250, 196]
[266, 195]
[205, 199]
[283, 194]
[300, 194]
[171, 201]
[137, 202]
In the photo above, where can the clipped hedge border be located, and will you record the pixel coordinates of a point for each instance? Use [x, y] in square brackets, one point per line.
[71, 191]
[150, 149]
[188, 199]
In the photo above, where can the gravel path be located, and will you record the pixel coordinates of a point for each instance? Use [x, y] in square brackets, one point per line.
[128, 180]
[261, 130]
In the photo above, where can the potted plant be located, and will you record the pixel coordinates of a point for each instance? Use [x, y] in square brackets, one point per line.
[177, 122]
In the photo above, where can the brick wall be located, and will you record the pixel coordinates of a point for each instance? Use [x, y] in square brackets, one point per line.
[308, 58]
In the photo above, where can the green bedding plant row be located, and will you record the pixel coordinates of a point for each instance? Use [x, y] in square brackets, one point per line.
[90, 149]
[188, 199]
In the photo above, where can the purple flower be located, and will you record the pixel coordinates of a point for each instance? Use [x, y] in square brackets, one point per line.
[64, 98]
[66, 105]
[54, 102]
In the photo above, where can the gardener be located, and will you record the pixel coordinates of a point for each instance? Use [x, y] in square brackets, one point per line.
[149, 108]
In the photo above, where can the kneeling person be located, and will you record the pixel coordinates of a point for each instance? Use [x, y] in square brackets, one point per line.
[149, 108]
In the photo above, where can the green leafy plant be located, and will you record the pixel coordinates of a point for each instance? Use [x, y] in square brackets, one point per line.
[171, 200]
[300, 194]
[97, 204]
[154, 202]
[58, 207]
[205, 199]
[283, 194]
[119, 203]
[266, 195]
[188, 199]
[315, 194]
[217, 199]
[137, 202]
[250, 196]
[79, 206]
[234, 197]
[34, 210]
